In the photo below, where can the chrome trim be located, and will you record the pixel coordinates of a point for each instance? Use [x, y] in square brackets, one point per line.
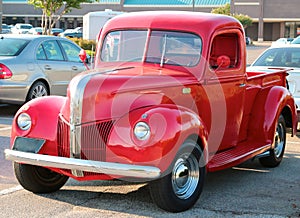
[114, 169]
[77, 88]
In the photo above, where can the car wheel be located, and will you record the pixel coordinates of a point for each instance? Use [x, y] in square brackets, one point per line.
[276, 153]
[38, 179]
[181, 188]
[38, 89]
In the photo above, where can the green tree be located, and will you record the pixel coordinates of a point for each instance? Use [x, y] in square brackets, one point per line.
[225, 9]
[244, 19]
[53, 10]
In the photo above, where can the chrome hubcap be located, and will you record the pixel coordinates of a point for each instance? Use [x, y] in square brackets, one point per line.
[279, 140]
[185, 176]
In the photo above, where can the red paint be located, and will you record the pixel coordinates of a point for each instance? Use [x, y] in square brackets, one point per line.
[226, 108]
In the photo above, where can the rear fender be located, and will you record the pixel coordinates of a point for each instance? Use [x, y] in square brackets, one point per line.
[170, 126]
[267, 107]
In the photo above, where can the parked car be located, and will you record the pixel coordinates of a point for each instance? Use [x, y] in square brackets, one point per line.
[284, 57]
[6, 29]
[282, 41]
[56, 31]
[248, 40]
[36, 31]
[78, 29]
[32, 66]
[72, 33]
[21, 28]
[296, 40]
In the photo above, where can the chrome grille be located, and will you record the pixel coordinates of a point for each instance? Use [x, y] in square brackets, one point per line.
[94, 137]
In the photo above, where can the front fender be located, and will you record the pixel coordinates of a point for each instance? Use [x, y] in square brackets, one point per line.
[44, 114]
[170, 126]
[267, 107]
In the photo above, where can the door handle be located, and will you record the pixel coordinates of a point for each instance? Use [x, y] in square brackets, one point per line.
[74, 68]
[47, 67]
[241, 85]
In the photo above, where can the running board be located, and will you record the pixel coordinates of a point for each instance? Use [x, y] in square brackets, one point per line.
[237, 155]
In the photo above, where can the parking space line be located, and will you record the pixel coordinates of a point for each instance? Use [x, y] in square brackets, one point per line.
[11, 190]
[291, 142]
[5, 128]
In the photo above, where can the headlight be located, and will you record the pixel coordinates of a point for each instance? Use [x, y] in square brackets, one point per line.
[141, 131]
[24, 121]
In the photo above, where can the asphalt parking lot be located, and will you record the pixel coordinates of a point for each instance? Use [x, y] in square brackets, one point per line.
[247, 190]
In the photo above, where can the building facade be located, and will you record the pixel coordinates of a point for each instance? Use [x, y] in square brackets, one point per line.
[272, 18]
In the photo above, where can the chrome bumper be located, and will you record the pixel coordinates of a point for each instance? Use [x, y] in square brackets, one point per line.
[116, 169]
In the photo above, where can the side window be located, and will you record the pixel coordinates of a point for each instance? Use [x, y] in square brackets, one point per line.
[52, 50]
[225, 47]
[71, 51]
[40, 53]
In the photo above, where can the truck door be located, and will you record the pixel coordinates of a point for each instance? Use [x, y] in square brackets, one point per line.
[227, 75]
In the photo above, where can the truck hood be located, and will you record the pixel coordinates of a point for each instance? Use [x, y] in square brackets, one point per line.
[105, 94]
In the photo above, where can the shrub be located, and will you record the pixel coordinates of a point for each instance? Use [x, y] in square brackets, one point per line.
[85, 44]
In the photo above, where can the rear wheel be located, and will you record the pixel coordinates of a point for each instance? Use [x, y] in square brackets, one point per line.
[38, 179]
[180, 190]
[38, 89]
[276, 153]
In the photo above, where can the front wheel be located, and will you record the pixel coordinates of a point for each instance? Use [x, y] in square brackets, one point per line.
[181, 188]
[38, 179]
[276, 153]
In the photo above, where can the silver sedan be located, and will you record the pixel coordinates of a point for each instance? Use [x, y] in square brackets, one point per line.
[34, 66]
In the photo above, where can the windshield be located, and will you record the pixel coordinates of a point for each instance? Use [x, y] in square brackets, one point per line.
[25, 26]
[12, 47]
[279, 57]
[296, 40]
[164, 47]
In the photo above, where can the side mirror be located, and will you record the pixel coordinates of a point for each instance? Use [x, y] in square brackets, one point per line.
[83, 58]
[83, 55]
[223, 61]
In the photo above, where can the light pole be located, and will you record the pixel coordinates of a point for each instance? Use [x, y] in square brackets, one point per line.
[193, 5]
[1, 16]
[232, 7]
[261, 22]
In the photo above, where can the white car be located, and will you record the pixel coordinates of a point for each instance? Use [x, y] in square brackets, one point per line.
[282, 41]
[287, 56]
[21, 28]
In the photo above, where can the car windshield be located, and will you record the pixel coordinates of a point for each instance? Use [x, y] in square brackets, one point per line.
[296, 41]
[5, 26]
[25, 26]
[164, 47]
[279, 57]
[12, 47]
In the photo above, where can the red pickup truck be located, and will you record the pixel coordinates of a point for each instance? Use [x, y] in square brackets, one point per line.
[168, 100]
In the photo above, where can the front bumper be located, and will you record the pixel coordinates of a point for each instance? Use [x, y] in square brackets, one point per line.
[116, 169]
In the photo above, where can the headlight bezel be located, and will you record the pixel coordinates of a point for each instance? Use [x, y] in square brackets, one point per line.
[142, 131]
[24, 121]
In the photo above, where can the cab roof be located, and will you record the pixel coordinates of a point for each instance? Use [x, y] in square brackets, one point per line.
[196, 22]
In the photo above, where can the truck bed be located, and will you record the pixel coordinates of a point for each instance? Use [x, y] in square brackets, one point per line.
[266, 76]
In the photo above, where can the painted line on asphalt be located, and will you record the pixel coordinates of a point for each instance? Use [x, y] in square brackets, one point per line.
[5, 128]
[11, 190]
[290, 142]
